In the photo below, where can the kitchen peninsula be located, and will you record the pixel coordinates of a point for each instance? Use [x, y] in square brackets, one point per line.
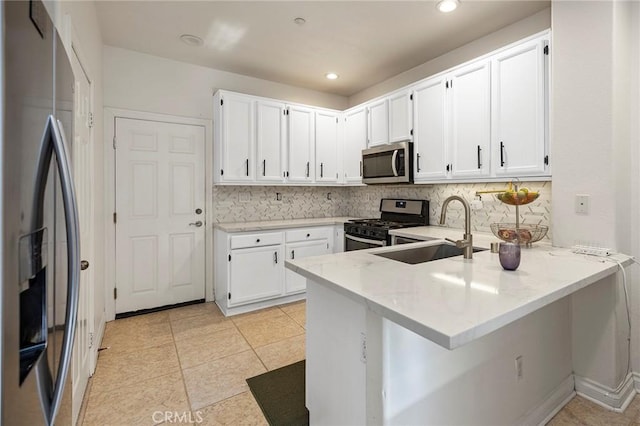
[394, 343]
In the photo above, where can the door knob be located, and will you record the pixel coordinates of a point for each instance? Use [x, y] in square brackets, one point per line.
[197, 224]
[84, 265]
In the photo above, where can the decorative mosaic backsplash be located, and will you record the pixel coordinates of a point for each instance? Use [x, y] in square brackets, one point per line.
[254, 203]
[365, 202]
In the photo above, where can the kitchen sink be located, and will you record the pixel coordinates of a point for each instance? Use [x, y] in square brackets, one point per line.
[416, 255]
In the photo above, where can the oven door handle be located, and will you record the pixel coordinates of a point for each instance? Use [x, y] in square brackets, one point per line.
[366, 241]
[394, 158]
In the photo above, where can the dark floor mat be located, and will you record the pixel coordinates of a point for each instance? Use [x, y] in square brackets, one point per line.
[280, 395]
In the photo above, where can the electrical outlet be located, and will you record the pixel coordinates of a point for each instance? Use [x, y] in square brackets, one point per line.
[329, 196]
[582, 204]
[519, 372]
[278, 196]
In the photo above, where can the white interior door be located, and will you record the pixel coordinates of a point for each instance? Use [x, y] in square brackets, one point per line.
[84, 183]
[160, 208]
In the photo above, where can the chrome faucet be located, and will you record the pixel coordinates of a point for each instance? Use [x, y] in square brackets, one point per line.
[467, 243]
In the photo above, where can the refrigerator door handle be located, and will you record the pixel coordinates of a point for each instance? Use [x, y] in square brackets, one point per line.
[73, 262]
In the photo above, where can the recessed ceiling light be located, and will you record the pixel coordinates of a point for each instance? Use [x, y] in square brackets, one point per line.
[300, 21]
[191, 40]
[446, 6]
[331, 75]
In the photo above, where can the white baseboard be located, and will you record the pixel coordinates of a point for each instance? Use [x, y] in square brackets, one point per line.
[553, 403]
[607, 397]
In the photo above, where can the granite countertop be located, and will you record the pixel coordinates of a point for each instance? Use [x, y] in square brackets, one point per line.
[455, 301]
[279, 224]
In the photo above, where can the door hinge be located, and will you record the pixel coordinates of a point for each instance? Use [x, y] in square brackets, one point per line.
[411, 132]
[411, 97]
[546, 160]
[221, 102]
[115, 217]
[336, 120]
[546, 49]
[446, 84]
[229, 258]
[229, 296]
[90, 120]
[90, 340]
[115, 292]
[114, 142]
[221, 172]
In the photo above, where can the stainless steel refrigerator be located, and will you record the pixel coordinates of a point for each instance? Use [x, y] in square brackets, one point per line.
[39, 256]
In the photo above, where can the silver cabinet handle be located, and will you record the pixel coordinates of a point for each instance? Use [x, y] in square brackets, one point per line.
[197, 224]
[54, 141]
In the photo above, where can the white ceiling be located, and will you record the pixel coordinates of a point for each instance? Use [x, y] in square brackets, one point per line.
[365, 42]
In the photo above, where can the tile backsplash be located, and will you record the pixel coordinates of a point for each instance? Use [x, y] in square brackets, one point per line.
[254, 203]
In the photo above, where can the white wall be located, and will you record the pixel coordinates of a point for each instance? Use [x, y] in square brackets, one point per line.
[149, 83]
[591, 129]
[509, 34]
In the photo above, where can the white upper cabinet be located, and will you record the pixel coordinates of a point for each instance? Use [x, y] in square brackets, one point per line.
[484, 120]
[355, 140]
[378, 112]
[400, 117]
[326, 144]
[301, 166]
[236, 133]
[271, 140]
[518, 109]
[429, 137]
[469, 89]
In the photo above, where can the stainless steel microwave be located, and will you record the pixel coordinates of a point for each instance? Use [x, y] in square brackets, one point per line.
[388, 163]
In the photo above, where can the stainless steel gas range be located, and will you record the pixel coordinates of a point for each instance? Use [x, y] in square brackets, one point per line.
[362, 234]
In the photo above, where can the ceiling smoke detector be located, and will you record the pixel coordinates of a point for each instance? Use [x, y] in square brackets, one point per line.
[191, 40]
[446, 6]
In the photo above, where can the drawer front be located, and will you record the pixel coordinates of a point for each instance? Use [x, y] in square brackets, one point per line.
[309, 234]
[256, 240]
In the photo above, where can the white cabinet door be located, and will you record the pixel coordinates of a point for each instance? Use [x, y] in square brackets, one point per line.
[470, 126]
[378, 112]
[326, 147]
[429, 136]
[355, 140]
[301, 140]
[271, 139]
[400, 117]
[294, 282]
[255, 274]
[238, 138]
[518, 110]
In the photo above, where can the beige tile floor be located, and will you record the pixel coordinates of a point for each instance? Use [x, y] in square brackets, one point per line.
[191, 363]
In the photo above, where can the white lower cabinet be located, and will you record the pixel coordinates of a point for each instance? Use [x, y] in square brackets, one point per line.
[255, 274]
[303, 243]
[249, 270]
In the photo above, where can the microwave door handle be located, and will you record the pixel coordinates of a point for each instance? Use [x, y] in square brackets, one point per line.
[394, 158]
[73, 263]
